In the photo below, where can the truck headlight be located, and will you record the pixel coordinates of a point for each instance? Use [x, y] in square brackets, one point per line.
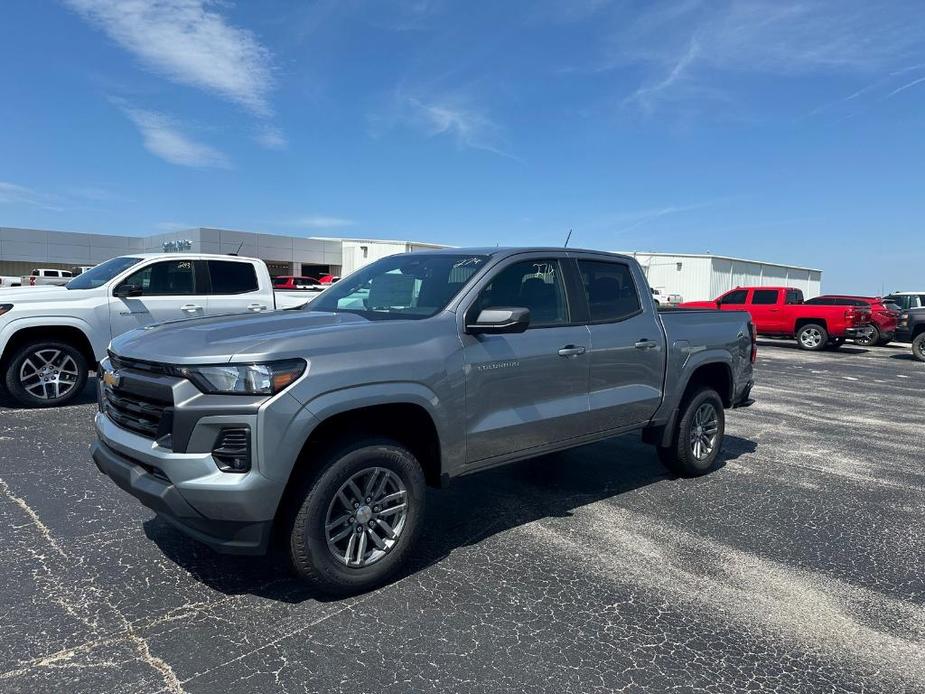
[244, 379]
[4, 308]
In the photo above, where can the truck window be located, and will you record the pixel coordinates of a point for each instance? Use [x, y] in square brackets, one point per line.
[764, 297]
[734, 298]
[408, 285]
[794, 296]
[610, 290]
[166, 278]
[50, 273]
[532, 284]
[232, 277]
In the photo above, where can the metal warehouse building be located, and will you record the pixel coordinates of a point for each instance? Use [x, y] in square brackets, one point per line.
[700, 277]
[24, 249]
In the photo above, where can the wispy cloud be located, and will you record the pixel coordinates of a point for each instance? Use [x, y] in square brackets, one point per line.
[904, 87]
[320, 222]
[162, 137]
[633, 220]
[15, 194]
[189, 42]
[685, 46]
[447, 116]
[271, 138]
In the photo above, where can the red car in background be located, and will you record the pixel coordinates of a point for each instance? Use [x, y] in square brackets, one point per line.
[781, 312]
[329, 279]
[292, 282]
[883, 320]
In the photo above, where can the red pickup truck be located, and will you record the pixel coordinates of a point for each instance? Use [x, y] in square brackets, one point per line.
[780, 312]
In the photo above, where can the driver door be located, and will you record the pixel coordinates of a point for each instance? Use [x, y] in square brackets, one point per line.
[526, 390]
[168, 292]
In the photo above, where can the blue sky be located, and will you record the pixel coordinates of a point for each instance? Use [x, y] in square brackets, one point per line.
[783, 130]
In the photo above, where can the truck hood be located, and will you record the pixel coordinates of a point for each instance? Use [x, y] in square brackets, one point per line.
[38, 294]
[243, 337]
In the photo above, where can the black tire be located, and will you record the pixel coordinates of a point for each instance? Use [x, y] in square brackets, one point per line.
[918, 347]
[812, 337]
[65, 363]
[311, 556]
[884, 341]
[680, 456]
[870, 337]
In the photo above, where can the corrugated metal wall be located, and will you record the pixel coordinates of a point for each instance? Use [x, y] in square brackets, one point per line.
[700, 279]
[687, 276]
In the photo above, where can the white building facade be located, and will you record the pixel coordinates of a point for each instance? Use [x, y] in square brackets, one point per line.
[701, 277]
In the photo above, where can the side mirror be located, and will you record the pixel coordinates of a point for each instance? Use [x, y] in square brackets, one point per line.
[126, 290]
[500, 320]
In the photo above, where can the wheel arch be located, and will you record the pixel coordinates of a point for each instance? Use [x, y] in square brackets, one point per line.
[72, 334]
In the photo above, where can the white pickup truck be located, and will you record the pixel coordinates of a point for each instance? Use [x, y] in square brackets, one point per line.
[51, 337]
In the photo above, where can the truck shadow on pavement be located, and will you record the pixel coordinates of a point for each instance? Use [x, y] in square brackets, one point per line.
[469, 511]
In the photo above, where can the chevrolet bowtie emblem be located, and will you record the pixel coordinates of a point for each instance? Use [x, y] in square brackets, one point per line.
[112, 378]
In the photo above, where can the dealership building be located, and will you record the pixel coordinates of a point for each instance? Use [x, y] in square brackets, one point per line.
[21, 250]
[703, 276]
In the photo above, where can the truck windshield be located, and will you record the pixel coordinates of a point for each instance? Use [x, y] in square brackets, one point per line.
[102, 273]
[413, 285]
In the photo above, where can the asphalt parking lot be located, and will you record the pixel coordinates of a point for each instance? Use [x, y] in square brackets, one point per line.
[796, 566]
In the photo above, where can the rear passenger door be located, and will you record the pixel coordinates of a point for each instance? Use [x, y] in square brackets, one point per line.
[764, 305]
[233, 287]
[627, 346]
[525, 390]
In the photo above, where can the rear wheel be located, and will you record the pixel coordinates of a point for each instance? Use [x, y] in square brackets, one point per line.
[813, 337]
[918, 347]
[46, 374]
[869, 337]
[698, 435]
[358, 518]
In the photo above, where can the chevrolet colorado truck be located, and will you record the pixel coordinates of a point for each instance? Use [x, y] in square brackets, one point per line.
[781, 312]
[324, 425]
[51, 337]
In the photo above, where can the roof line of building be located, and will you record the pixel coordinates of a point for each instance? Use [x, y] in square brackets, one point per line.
[721, 257]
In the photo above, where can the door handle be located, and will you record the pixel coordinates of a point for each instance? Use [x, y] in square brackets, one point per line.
[256, 308]
[571, 351]
[190, 308]
[646, 344]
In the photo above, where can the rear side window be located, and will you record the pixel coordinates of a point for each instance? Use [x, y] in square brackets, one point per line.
[229, 277]
[794, 296]
[735, 298]
[533, 284]
[764, 296]
[51, 273]
[610, 290]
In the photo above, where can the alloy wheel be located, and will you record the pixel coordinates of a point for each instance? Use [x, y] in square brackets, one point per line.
[366, 517]
[811, 337]
[48, 374]
[704, 429]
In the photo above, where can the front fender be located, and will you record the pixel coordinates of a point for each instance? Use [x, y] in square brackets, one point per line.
[97, 342]
[450, 431]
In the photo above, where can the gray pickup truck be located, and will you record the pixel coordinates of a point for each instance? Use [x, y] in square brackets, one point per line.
[324, 425]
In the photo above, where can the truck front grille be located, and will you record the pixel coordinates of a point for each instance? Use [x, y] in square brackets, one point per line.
[135, 413]
[137, 365]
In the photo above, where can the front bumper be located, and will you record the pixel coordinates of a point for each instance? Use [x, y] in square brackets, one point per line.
[231, 513]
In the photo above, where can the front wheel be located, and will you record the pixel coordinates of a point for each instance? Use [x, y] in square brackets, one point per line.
[698, 435]
[918, 347]
[46, 374]
[813, 337]
[358, 518]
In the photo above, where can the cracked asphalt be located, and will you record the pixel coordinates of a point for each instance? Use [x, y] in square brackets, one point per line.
[798, 565]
